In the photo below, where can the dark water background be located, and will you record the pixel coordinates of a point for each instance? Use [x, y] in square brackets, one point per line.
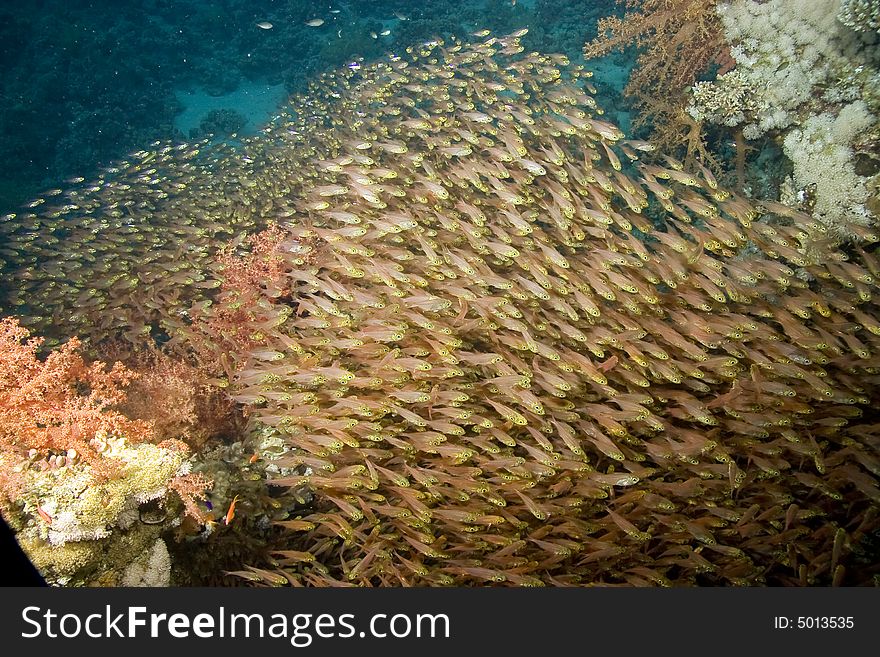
[83, 83]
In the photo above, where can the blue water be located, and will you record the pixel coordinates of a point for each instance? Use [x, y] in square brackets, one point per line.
[84, 83]
[254, 102]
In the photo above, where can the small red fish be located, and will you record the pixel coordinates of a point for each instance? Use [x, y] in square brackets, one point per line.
[231, 513]
[45, 516]
[608, 364]
[254, 458]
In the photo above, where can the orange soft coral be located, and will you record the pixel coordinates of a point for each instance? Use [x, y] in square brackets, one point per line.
[59, 403]
[178, 399]
[242, 314]
[681, 39]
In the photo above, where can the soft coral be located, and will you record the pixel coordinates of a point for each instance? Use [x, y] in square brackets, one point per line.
[681, 39]
[59, 403]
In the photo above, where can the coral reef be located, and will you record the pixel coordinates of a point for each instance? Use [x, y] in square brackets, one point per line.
[730, 100]
[679, 40]
[239, 470]
[792, 54]
[219, 123]
[74, 470]
[802, 76]
[56, 407]
[177, 399]
[478, 340]
[68, 521]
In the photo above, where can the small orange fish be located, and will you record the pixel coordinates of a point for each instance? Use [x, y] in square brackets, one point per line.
[45, 516]
[608, 364]
[254, 458]
[231, 513]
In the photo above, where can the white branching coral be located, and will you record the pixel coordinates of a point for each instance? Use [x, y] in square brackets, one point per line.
[83, 509]
[823, 163]
[731, 100]
[860, 15]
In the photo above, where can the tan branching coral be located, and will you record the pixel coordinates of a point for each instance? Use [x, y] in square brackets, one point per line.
[681, 40]
[179, 401]
[730, 101]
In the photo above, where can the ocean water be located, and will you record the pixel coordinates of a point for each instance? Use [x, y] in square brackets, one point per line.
[418, 294]
[85, 83]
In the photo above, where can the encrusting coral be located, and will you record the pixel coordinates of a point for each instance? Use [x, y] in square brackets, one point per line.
[152, 569]
[501, 348]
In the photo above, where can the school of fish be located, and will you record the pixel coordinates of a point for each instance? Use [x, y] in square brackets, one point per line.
[505, 343]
